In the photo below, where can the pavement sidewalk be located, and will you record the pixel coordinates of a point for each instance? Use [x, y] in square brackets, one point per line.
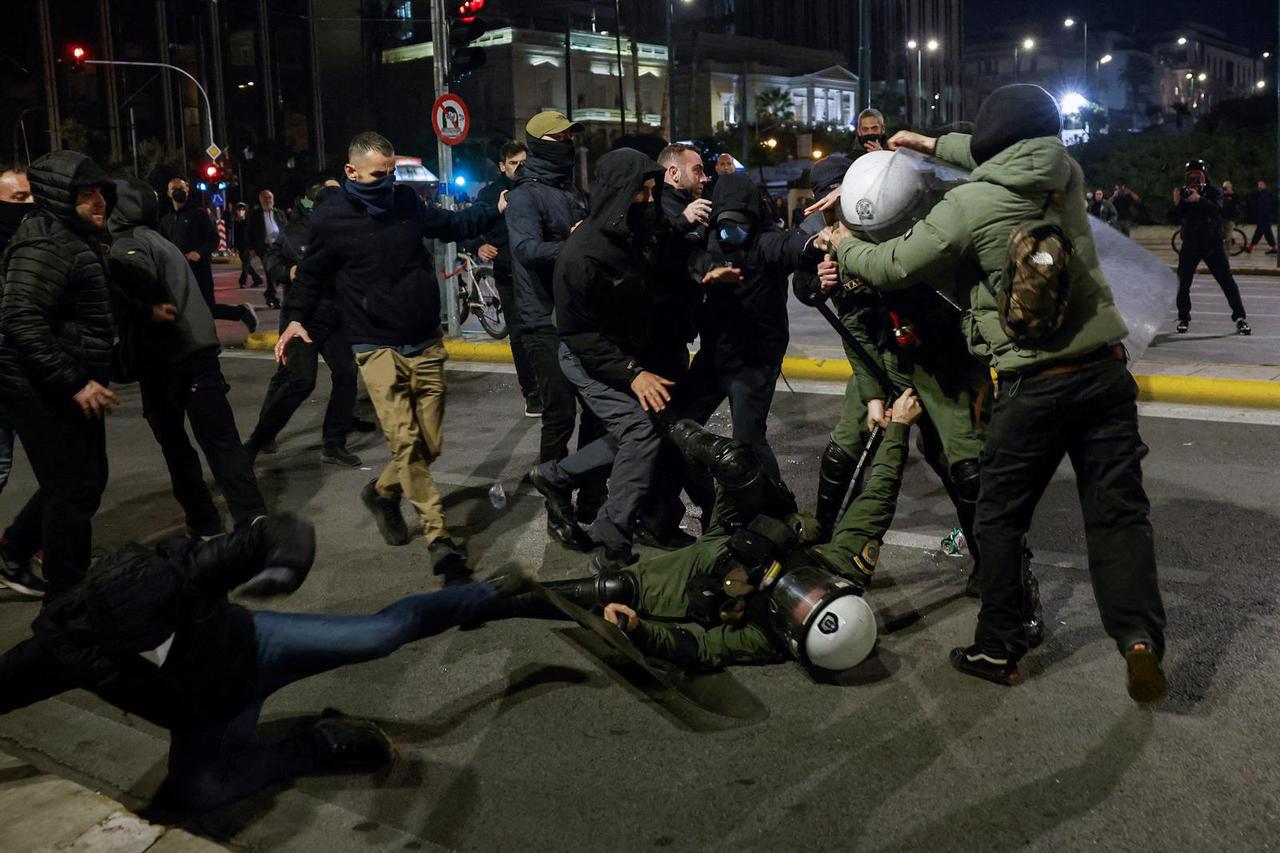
[43, 812]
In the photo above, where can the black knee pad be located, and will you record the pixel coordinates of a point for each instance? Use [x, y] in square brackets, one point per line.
[965, 477]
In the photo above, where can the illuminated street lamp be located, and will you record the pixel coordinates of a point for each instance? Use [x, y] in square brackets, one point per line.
[1261, 84]
[1026, 45]
[1182, 40]
[1084, 26]
[931, 45]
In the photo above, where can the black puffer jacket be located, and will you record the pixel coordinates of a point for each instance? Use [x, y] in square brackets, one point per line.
[541, 212]
[606, 276]
[678, 240]
[745, 325]
[55, 314]
[287, 251]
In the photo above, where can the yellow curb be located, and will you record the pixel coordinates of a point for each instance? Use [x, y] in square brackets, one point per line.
[1194, 390]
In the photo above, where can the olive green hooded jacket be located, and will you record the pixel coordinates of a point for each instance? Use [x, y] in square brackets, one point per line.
[965, 237]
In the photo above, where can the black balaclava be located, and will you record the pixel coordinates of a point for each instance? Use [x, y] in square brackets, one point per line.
[378, 197]
[549, 158]
[11, 215]
[1011, 114]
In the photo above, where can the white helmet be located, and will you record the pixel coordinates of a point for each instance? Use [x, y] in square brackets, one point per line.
[822, 618]
[882, 196]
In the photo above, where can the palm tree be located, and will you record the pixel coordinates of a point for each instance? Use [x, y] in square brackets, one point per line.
[773, 106]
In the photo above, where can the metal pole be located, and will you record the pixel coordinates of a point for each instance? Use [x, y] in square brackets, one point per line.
[215, 52]
[1015, 64]
[162, 35]
[622, 91]
[113, 109]
[203, 94]
[864, 52]
[1086, 54]
[568, 66]
[268, 93]
[317, 91]
[133, 142]
[671, 77]
[919, 90]
[50, 79]
[446, 253]
[1276, 186]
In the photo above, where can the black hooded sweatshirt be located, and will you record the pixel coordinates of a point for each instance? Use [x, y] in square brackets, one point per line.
[287, 251]
[745, 325]
[606, 276]
[146, 270]
[55, 316]
[542, 209]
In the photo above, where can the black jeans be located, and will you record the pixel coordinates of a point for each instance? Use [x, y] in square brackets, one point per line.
[225, 762]
[560, 409]
[749, 390]
[246, 268]
[195, 390]
[203, 271]
[519, 353]
[1262, 231]
[294, 381]
[1091, 416]
[1215, 258]
[68, 454]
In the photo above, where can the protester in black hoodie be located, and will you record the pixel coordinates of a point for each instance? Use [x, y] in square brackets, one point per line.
[152, 632]
[294, 380]
[545, 206]
[368, 248]
[605, 279]
[494, 247]
[171, 346]
[55, 360]
[744, 326]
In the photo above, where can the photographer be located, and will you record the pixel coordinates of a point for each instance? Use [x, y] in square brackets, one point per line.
[1197, 206]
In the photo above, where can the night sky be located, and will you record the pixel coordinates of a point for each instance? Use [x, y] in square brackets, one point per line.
[1249, 23]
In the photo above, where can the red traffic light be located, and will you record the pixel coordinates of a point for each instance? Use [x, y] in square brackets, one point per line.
[466, 10]
[211, 171]
[77, 52]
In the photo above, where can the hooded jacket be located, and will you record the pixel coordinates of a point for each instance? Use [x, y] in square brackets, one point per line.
[678, 240]
[133, 600]
[542, 209]
[605, 277]
[497, 236]
[378, 268]
[287, 251]
[745, 325]
[55, 314]
[146, 270]
[965, 237]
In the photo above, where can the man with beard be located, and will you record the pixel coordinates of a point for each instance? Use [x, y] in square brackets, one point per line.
[495, 248]
[193, 232]
[545, 207]
[55, 361]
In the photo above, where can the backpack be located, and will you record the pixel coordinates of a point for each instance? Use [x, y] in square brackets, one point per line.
[1033, 287]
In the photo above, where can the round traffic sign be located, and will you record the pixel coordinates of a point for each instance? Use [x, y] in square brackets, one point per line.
[450, 118]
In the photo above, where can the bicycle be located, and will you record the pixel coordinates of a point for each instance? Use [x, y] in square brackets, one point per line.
[1234, 242]
[478, 294]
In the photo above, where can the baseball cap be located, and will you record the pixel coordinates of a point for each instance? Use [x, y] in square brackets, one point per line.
[549, 123]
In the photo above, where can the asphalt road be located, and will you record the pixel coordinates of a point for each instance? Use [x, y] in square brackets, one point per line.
[517, 736]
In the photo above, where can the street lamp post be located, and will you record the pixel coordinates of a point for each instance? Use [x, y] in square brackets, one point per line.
[1084, 26]
[931, 45]
[208, 111]
[1026, 45]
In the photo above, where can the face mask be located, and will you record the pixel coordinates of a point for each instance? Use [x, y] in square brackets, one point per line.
[642, 217]
[733, 234]
[883, 139]
[179, 195]
[306, 203]
[377, 196]
[11, 214]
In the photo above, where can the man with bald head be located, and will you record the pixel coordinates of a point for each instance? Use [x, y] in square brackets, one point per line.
[265, 224]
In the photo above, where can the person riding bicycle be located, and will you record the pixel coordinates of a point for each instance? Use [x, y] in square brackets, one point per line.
[1197, 206]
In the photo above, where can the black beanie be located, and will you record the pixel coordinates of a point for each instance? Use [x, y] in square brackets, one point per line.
[828, 172]
[1011, 114]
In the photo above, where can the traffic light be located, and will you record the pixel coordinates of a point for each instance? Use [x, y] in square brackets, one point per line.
[78, 56]
[464, 28]
[213, 172]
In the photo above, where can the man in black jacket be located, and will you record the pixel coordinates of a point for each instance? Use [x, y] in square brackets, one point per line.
[240, 242]
[55, 361]
[495, 248]
[605, 279]
[265, 225]
[546, 205]
[1197, 206]
[1262, 210]
[294, 380]
[152, 632]
[744, 326]
[190, 229]
[170, 344]
[368, 252]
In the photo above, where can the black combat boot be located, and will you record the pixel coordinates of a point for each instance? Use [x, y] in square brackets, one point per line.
[834, 475]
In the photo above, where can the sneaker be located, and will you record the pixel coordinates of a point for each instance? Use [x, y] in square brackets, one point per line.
[361, 425]
[249, 317]
[345, 745]
[339, 456]
[21, 579]
[670, 541]
[560, 521]
[1271, 251]
[386, 512]
[1242, 327]
[1248, 249]
[448, 560]
[995, 667]
[1146, 679]
[532, 407]
[1182, 327]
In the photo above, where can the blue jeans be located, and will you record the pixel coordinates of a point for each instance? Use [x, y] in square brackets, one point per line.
[6, 451]
[224, 762]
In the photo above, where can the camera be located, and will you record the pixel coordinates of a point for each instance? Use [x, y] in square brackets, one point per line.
[1187, 191]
